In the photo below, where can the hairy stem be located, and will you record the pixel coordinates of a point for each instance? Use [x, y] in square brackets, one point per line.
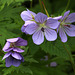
[31, 4]
[41, 5]
[68, 4]
[70, 58]
[45, 9]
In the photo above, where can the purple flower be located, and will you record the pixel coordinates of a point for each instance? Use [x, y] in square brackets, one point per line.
[28, 17]
[13, 43]
[13, 58]
[53, 64]
[58, 18]
[66, 26]
[43, 26]
[46, 58]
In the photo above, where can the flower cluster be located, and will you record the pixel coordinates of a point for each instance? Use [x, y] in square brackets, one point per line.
[40, 25]
[13, 56]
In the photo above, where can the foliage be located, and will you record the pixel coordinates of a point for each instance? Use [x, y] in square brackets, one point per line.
[10, 27]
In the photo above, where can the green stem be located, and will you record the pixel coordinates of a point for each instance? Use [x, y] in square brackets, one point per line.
[31, 4]
[41, 6]
[44, 1]
[70, 58]
[45, 9]
[68, 4]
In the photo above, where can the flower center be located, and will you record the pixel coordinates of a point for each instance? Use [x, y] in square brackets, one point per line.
[65, 24]
[42, 25]
[12, 45]
[62, 24]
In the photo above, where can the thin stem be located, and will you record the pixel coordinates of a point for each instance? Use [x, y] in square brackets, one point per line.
[31, 4]
[70, 58]
[68, 4]
[45, 9]
[44, 1]
[41, 6]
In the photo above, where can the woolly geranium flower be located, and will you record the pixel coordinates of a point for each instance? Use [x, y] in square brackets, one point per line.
[42, 26]
[66, 26]
[13, 43]
[13, 58]
[28, 17]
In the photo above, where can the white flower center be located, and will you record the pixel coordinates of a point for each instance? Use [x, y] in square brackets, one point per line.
[43, 25]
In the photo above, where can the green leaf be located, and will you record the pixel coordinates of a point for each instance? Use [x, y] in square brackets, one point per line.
[4, 34]
[38, 70]
[10, 13]
[3, 2]
[56, 48]
[10, 23]
[30, 59]
[72, 43]
[22, 69]
[33, 48]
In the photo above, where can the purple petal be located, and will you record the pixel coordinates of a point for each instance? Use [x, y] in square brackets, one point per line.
[6, 55]
[70, 18]
[18, 50]
[52, 23]
[8, 61]
[16, 62]
[28, 23]
[25, 25]
[65, 14]
[30, 29]
[58, 28]
[7, 45]
[21, 42]
[53, 64]
[72, 27]
[46, 58]
[12, 40]
[23, 28]
[27, 15]
[58, 18]
[16, 56]
[62, 35]
[22, 60]
[40, 17]
[38, 37]
[9, 49]
[50, 34]
[70, 30]
[31, 12]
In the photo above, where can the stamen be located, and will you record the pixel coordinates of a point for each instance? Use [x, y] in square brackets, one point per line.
[67, 26]
[32, 16]
[45, 9]
[42, 29]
